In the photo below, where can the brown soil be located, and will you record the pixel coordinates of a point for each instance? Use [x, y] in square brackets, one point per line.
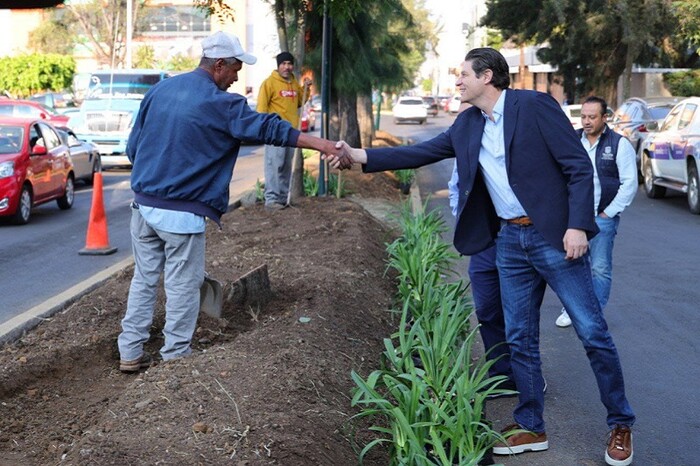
[263, 387]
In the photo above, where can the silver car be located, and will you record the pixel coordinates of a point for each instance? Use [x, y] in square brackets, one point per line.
[85, 156]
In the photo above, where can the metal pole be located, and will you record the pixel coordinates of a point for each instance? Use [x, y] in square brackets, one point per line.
[129, 30]
[325, 92]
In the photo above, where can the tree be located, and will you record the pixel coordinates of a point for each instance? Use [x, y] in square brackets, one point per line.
[591, 42]
[52, 36]
[102, 25]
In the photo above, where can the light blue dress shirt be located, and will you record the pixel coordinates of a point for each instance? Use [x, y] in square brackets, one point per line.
[492, 159]
[173, 221]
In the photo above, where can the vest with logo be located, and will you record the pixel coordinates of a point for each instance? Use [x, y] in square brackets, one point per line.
[606, 166]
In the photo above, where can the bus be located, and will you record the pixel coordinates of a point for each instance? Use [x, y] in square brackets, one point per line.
[120, 84]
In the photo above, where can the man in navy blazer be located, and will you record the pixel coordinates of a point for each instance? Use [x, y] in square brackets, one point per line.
[526, 183]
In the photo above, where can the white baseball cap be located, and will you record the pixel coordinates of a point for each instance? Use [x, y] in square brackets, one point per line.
[224, 45]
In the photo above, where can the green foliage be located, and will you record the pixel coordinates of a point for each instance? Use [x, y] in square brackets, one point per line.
[590, 42]
[683, 83]
[145, 57]
[427, 85]
[310, 184]
[428, 398]
[181, 63]
[259, 191]
[52, 37]
[336, 186]
[405, 175]
[24, 75]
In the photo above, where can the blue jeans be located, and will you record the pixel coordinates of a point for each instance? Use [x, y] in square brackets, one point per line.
[527, 263]
[601, 247]
[486, 292]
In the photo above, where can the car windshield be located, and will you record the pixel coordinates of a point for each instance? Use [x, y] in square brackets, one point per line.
[411, 102]
[659, 113]
[575, 112]
[11, 139]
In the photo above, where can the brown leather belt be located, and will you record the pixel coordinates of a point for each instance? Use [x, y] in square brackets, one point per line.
[522, 221]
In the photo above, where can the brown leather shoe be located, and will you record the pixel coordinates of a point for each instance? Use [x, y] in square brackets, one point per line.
[619, 451]
[142, 362]
[521, 442]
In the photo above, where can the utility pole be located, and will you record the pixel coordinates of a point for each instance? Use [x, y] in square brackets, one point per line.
[129, 29]
[325, 92]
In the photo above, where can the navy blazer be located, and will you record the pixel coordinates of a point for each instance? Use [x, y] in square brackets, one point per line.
[548, 170]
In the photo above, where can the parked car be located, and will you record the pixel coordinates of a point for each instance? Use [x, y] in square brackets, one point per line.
[671, 156]
[431, 105]
[410, 109]
[85, 156]
[29, 109]
[454, 104]
[443, 100]
[316, 103]
[636, 118]
[573, 113]
[308, 118]
[35, 167]
[53, 100]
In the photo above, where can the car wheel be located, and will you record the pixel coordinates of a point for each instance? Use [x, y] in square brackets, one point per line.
[422, 122]
[652, 191]
[693, 189]
[65, 202]
[24, 208]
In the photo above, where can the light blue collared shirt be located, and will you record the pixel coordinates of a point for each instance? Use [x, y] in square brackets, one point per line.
[492, 159]
[173, 221]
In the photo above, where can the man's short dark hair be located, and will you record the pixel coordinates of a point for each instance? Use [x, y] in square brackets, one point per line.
[486, 58]
[593, 99]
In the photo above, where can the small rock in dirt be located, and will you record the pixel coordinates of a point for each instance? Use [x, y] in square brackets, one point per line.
[143, 404]
[200, 427]
[204, 341]
[32, 392]
[22, 359]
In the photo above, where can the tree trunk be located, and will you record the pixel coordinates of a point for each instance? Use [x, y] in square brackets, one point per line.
[281, 21]
[349, 129]
[364, 117]
[297, 186]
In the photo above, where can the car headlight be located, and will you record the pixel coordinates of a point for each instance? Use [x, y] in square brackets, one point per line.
[7, 169]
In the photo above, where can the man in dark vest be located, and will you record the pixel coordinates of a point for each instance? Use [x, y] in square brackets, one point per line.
[615, 184]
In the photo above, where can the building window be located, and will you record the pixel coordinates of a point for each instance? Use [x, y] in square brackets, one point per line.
[172, 21]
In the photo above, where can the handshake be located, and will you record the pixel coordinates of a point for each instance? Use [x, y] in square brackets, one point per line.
[343, 156]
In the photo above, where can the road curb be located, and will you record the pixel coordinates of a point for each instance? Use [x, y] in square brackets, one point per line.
[16, 327]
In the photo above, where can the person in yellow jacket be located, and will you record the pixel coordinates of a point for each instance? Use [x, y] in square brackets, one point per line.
[282, 94]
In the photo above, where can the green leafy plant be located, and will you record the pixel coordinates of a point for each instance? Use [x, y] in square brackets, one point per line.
[406, 175]
[683, 83]
[310, 184]
[428, 397]
[259, 190]
[336, 185]
[24, 75]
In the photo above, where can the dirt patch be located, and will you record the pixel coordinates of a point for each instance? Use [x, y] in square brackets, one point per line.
[269, 386]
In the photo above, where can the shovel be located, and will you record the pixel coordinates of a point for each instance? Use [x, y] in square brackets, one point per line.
[211, 297]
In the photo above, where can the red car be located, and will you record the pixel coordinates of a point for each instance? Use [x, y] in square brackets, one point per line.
[35, 167]
[308, 118]
[29, 109]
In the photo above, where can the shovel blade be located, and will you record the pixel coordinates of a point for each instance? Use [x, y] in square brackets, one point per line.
[211, 297]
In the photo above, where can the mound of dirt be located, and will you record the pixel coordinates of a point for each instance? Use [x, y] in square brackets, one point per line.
[271, 385]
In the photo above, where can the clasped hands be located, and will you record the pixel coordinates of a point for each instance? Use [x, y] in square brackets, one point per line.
[343, 156]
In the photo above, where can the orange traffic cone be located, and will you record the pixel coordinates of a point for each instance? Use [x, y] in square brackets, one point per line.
[97, 241]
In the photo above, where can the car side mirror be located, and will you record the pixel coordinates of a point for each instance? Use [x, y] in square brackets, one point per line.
[39, 150]
[653, 126]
